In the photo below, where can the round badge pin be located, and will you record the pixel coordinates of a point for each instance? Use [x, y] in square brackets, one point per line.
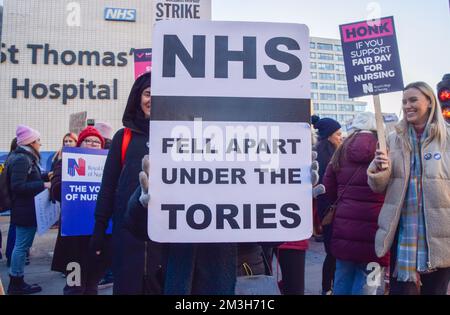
[437, 156]
[428, 156]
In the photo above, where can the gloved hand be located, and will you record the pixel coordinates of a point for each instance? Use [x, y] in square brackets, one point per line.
[317, 189]
[143, 181]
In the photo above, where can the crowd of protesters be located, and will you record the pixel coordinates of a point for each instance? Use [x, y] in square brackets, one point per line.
[389, 208]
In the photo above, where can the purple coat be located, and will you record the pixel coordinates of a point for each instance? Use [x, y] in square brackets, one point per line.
[355, 222]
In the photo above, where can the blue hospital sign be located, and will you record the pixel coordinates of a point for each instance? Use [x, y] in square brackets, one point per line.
[119, 14]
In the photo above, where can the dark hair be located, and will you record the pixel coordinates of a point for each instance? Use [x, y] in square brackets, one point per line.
[13, 145]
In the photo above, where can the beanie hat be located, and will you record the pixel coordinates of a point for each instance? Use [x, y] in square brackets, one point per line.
[364, 121]
[105, 129]
[325, 126]
[26, 135]
[90, 132]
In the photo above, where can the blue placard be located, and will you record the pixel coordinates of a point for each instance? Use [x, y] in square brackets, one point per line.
[120, 14]
[82, 173]
[372, 61]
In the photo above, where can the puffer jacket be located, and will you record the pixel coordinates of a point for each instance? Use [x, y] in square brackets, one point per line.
[26, 181]
[355, 222]
[436, 192]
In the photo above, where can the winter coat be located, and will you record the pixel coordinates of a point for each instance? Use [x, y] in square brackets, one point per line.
[355, 222]
[118, 184]
[436, 191]
[200, 269]
[26, 182]
[325, 150]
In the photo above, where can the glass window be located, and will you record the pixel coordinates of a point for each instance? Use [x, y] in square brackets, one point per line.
[314, 75]
[341, 87]
[312, 45]
[329, 116]
[327, 86]
[314, 96]
[313, 65]
[346, 108]
[324, 46]
[327, 97]
[314, 86]
[313, 55]
[339, 68]
[323, 56]
[329, 107]
[343, 97]
[338, 57]
[348, 117]
[316, 107]
[341, 77]
[360, 108]
[337, 47]
[326, 76]
[325, 66]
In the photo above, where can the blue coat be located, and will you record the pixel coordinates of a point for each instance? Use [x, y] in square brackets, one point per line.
[25, 183]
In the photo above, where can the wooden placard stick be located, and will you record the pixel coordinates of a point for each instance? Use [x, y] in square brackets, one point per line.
[380, 126]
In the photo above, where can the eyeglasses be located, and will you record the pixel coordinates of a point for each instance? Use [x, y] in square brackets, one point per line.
[92, 142]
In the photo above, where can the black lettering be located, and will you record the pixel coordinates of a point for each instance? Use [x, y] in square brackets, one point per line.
[91, 86]
[69, 92]
[247, 217]
[207, 217]
[221, 216]
[12, 54]
[172, 214]
[36, 88]
[122, 57]
[166, 144]
[261, 215]
[238, 173]
[190, 176]
[54, 91]
[104, 92]
[223, 56]
[174, 48]
[52, 52]
[165, 178]
[71, 55]
[296, 219]
[89, 55]
[204, 172]
[34, 52]
[25, 88]
[222, 176]
[294, 143]
[294, 175]
[159, 10]
[294, 63]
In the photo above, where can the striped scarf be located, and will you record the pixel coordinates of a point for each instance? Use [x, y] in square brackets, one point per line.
[412, 251]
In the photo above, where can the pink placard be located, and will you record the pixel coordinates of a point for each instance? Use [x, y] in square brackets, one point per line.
[367, 30]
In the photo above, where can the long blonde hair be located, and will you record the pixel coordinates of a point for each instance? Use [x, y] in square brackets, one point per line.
[436, 121]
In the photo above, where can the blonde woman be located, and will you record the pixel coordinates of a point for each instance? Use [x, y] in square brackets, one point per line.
[415, 218]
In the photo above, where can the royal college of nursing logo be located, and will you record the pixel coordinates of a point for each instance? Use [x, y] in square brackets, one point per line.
[79, 168]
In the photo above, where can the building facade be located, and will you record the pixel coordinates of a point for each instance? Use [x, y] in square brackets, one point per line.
[60, 57]
[329, 93]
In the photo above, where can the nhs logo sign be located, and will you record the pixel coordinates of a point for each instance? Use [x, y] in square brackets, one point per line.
[119, 14]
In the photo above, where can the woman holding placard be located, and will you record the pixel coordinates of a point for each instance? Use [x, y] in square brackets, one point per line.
[415, 218]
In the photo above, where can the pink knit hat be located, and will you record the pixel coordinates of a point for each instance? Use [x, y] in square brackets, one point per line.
[26, 135]
[105, 129]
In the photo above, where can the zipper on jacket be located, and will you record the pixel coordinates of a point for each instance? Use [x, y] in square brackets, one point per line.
[423, 203]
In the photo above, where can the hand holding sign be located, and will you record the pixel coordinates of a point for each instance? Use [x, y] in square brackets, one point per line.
[382, 160]
[143, 181]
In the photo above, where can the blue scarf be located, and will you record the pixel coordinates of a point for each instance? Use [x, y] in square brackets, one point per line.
[412, 251]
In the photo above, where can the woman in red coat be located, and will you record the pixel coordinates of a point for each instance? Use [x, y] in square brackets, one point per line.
[355, 222]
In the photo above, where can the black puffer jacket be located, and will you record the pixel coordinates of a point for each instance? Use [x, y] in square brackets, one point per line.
[25, 182]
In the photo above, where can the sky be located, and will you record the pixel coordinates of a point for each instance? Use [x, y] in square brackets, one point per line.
[423, 30]
[422, 27]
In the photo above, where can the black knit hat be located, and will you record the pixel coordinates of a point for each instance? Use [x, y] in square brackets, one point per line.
[325, 126]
